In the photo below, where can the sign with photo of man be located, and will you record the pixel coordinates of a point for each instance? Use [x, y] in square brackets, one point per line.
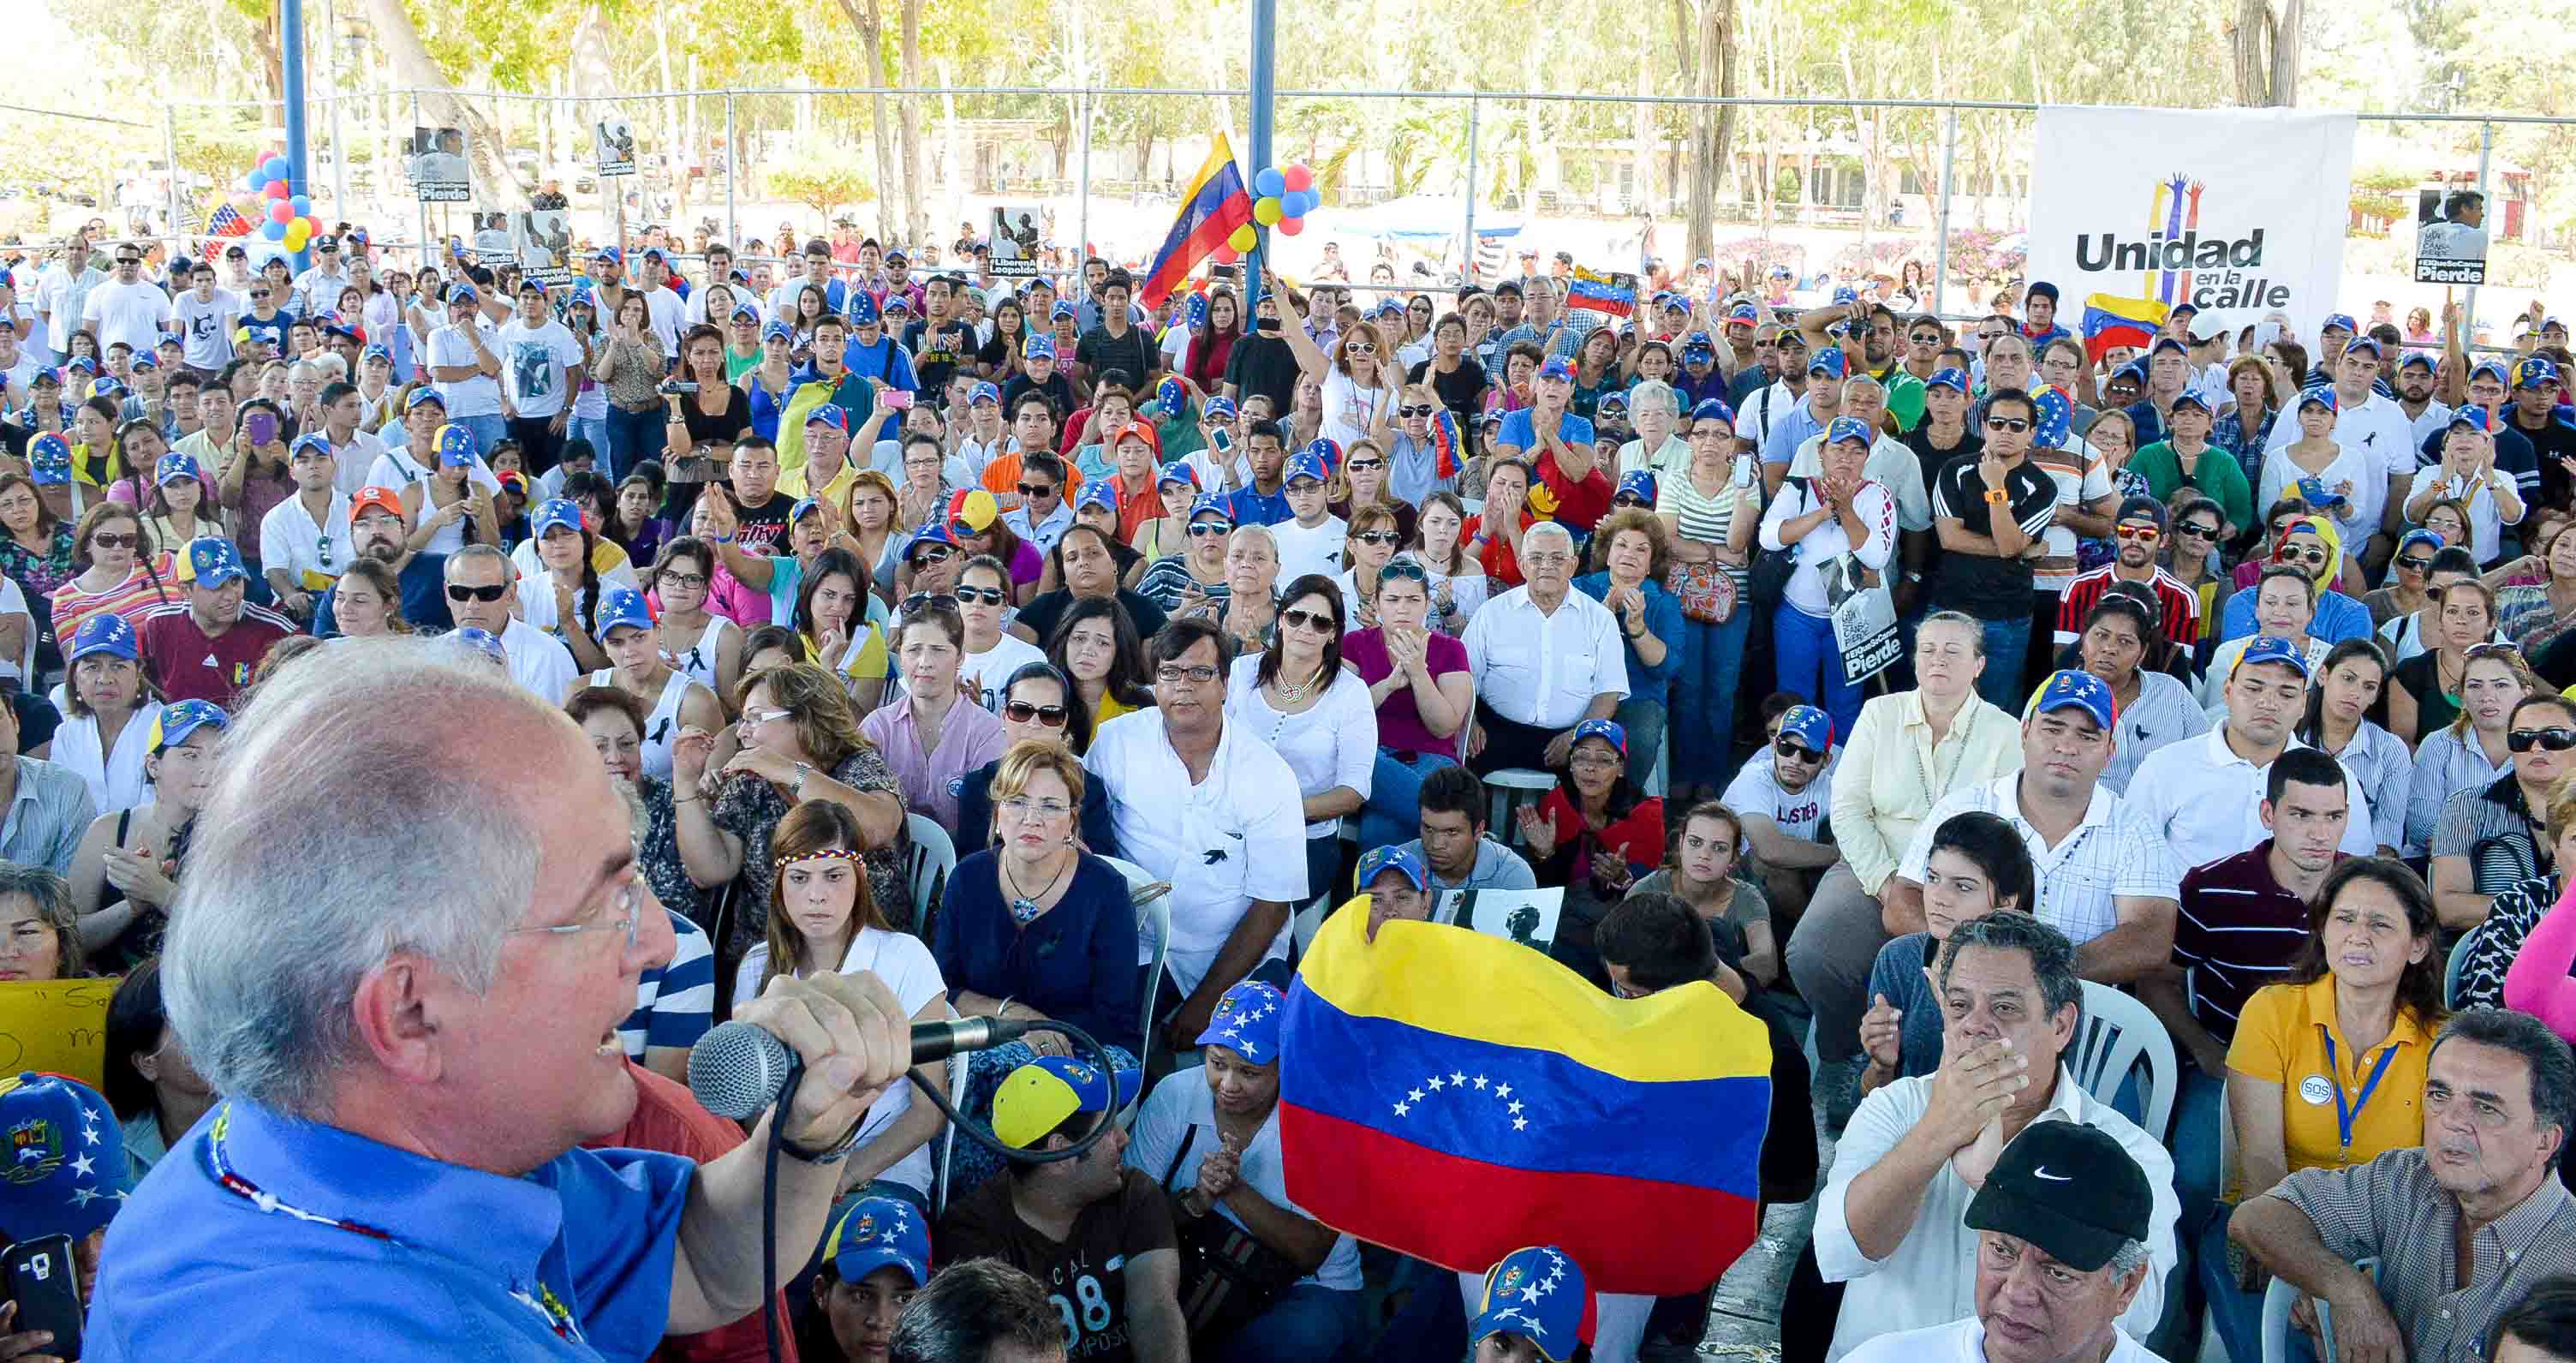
[614, 139]
[1017, 239]
[2450, 237]
[439, 170]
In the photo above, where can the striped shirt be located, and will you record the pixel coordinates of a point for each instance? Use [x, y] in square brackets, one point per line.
[2181, 603]
[2237, 931]
[2113, 854]
[674, 1003]
[143, 591]
[2493, 944]
[1705, 519]
[2081, 480]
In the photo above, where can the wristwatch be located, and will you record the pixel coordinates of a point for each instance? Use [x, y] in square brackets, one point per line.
[1996, 496]
[796, 789]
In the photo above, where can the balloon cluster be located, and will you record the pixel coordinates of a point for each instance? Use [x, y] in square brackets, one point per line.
[290, 221]
[1286, 195]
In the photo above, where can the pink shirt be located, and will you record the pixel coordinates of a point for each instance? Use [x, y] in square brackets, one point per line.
[1399, 722]
[970, 737]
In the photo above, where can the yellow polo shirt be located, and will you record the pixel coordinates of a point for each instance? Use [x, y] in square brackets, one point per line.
[2281, 1039]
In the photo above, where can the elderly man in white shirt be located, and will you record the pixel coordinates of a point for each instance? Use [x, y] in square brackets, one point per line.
[2204, 795]
[1214, 810]
[2106, 880]
[481, 585]
[1545, 658]
[1892, 1220]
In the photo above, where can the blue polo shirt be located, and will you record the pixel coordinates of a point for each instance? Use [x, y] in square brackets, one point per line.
[424, 598]
[195, 1270]
[1250, 507]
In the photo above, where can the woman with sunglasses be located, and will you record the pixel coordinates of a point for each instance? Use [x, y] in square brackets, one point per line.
[1362, 482]
[1821, 519]
[1296, 696]
[1368, 546]
[992, 652]
[40, 552]
[2191, 554]
[2492, 837]
[1096, 646]
[976, 526]
[1355, 391]
[2426, 695]
[2405, 605]
[2474, 748]
[1036, 703]
[934, 732]
[2314, 545]
[125, 872]
[1595, 832]
[116, 575]
[2338, 723]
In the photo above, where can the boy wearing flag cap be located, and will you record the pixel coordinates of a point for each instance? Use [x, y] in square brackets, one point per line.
[1097, 1233]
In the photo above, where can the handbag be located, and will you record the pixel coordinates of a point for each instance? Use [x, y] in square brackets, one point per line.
[1768, 580]
[1228, 1277]
[1707, 591]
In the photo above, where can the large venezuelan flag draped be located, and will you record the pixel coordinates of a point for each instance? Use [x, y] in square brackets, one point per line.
[1213, 206]
[1456, 1096]
[2110, 321]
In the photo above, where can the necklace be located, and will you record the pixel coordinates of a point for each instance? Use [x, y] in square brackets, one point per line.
[1024, 907]
[1293, 692]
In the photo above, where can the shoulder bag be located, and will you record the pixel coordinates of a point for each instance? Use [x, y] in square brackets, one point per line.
[1228, 1276]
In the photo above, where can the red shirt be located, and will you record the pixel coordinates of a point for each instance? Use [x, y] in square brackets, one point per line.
[669, 1120]
[1501, 564]
[1579, 503]
[187, 665]
[1639, 837]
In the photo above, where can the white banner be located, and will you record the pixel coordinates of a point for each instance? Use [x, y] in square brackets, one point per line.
[2238, 211]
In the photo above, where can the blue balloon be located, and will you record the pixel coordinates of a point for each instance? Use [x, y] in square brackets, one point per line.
[276, 167]
[1300, 202]
[254, 181]
[1268, 183]
[301, 204]
[274, 231]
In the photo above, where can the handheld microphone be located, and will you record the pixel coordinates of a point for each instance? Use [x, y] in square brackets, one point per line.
[737, 1069]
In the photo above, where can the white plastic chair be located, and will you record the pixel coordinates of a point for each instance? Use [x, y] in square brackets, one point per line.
[933, 857]
[2277, 1301]
[1153, 943]
[2458, 963]
[957, 1063]
[2118, 1032]
[2212, 1348]
[1309, 921]
[1531, 785]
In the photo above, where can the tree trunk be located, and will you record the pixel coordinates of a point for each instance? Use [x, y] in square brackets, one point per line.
[916, 154]
[497, 186]
[2266, 51]
[1712, 128]
[871, 30]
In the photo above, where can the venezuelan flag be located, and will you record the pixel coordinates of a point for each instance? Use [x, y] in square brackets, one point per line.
[1213, 206]
[1455, 1096]
[1612, 294]
[2110, 321]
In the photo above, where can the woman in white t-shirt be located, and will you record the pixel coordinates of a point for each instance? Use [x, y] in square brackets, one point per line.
[1296, 696]
[983, 599]
[2346, 473]
[822, 918]
[1360, 388]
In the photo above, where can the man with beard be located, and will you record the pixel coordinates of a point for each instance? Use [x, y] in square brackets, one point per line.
[2428, 415]
[377, 531]
[2141, 532]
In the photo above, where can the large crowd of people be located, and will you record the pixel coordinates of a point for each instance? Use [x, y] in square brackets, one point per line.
[1936, 688]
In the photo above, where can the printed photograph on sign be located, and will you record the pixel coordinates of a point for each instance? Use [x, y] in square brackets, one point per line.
[2450, 236]
[1528, 917]
[614, 140]
[1018, 236]
[491, 239]
[542, 241]
[439, 171]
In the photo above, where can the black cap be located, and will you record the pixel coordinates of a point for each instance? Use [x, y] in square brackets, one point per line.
[2141, 507]
[2068, 1189]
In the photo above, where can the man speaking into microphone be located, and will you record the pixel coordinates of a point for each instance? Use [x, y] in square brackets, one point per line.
[410, 926]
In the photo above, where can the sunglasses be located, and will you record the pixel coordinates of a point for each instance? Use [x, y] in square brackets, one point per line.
[935, 553]
[1418, 409]
[2492, 649]
[2414, 563]
[2015, 424]
[1313, 622]
[2138, 532]
[1037, 489]
[981, 596]
[920, 601]
[1021, 712]
[2198, 530]
[1358, 348]
[2314, 558]
[2557, 738]
[109, 540]
[1925, 338]
[129, 260]
[1403, 570]
[1628, 499]
[1375, 536]
[459, 592]
[1796, 752]
[1365, 464]
[1203, 529]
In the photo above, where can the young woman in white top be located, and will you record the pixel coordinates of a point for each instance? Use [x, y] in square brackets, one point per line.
[1825, 518]
[122, 872]
[1458, 582]
[1297, 697]
[639, 667]
[701, 643]
[2316, 454]
[108, 712]
[992, 655]
[822, 919]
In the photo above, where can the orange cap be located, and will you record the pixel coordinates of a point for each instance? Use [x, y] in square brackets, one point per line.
[375, 498]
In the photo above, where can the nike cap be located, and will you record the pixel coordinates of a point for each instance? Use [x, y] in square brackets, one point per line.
[2068, 1189]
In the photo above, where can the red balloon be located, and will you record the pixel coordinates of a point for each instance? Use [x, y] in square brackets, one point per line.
[1289, 227]
[279, 212]
[1225, 254]
[278, 190]
[1298, 177]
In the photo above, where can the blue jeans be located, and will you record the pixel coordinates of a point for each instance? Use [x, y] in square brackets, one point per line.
[487, 430]
[595, 430]
[1643, 718]
[1393, 813]
[1704, 696]
[1310, 1323]
[1810, 665]
[633, 437]
[2007, 648]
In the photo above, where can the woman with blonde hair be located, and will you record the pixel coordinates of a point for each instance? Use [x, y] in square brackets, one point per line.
[868, 513]
[1362, 482]
[824, 920]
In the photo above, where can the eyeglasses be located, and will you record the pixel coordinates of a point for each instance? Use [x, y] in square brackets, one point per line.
[981, 596]
[1550, 559]
[2414, 563]
[921, 601]
[2138, 532]
[1593, 761]
[1173, 674]
[2198, 530]
[1037, 489]
[457, 591]
[623, 917]
[105, 539]
[1796, 752]
[2015, 424]
[2557, 738]
[1203, 529]
[689, 581]
[1375, 536]
[1021, 712]
[1417, 409]
[1990, 336]
[1022, 807]
[1313, 622]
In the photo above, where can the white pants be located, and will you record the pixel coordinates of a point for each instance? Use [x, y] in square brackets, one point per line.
[1619, 1324]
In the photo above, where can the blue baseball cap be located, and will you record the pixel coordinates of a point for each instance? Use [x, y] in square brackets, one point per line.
[1062, 311]
[778, 331]
[805, 506]
[1556, 368]
[1097, 492]
[1213, 504]
[829, 414]
[145, 360]
[1698, 343]
[554, 513]
[2135, 371]
[49, 460]
[1713, 409]
[875, 1233]
[623, 607]
[1036, 1098]
[1246, 1021]
[2319, 397]
[744, 312]
[2415, 537]
[1846, 294]
[2314, 492]
[2266, 649]
[424, 395]
[1850, 428]
[1304, 463]
[1638, 483]
[898, 302]
[2336, 320]
[1038, 348]
[1948, 376]
[175, 466]
[461, 295]
[2533, 371]
[1537, 1293]
[1219, 405]
[2473, 417]
[2165, 343]
[983, 391]
[1609, 731]
[2188, 398]
[1745, 313]
[2362, 345]
[105, 632]
[1810, 726]
[376, 350]
[482, 641]
[2415, 357]
[80, 364]
[936, 532]
[609, 254]
[1828, 361]
[2072, 689]
[212, 562]
[1178, 471]
[310, 440]
[67, 1170]
[863, 308]
[183, 718]
[2494, 369]
[455, 446]
[1397, 858]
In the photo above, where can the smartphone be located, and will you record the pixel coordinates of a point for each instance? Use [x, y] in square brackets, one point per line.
[1221, 440]
[46, 1285]
[2266, 333]
[679, 386]
[260, 427]
[898, 400]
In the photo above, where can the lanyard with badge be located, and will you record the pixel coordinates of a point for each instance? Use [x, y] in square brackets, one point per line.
[2346, 1113]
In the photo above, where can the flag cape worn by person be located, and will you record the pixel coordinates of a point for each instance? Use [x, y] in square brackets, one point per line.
[2110, 321]
[1455, 1095]
[1444, 444]
[1214, 204]
[810, 392]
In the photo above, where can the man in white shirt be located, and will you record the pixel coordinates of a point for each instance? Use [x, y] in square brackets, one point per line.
[62, 296]
[127, 308]
[1205, 805]
[2205, 795]
[2105, 880]
[302, 546]
[1545, 658]
[1311, 541]
[1892, 1220]
[317, 290]
[467, 371]
[205, 316]
[2054, 1273]
[541, 368]
[481, 586]
[662, 306]
[353, 450]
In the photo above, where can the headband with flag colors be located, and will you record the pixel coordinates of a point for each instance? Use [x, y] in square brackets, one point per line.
[2111, 321]
[1215, 203]
[1431, 1060]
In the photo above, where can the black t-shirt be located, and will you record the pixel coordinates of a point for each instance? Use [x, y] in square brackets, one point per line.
[2421, 675]
[1085, 1274]
[726, 426]
[1262, 363]
[2550, 444]
[1458, 389]
[764, 528]
[1933, 458]
[1099, 352]
[1042, 614]
[937, 353]
[1989, 588]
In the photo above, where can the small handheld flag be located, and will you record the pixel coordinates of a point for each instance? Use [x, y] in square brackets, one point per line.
[1214, 204]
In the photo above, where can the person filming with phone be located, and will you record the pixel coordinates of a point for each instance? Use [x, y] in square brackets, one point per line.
[66, 1177]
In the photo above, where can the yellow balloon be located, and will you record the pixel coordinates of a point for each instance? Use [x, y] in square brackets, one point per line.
[1244, 238]
[297, 234]
[1266, 212]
